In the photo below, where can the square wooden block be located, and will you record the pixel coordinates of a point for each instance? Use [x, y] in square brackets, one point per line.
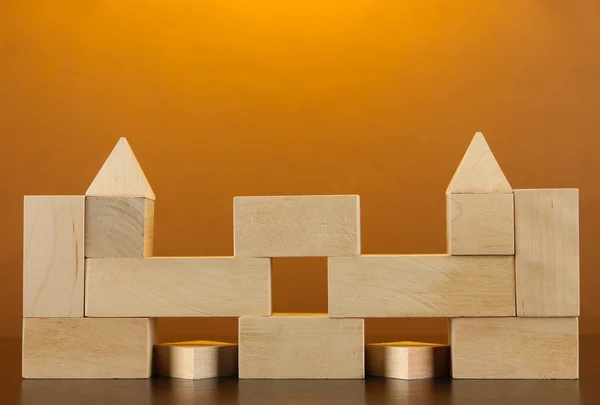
[407, 360]
[196, 360]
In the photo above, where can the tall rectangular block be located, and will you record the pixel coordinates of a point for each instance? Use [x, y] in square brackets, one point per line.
[177, 287]
[119, 227]
[291, 226]
[297, 346]
[421, 286]
[53, 257]
[87, 348]
[480, 224]
[547, 252]
[515, 348]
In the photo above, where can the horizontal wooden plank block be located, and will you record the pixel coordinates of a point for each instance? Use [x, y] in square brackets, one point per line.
[521, 348]
[119, 227]
[176, 287]
[300, 346]
[53, 257]
[290, 226]
[196, 360]
[87, 348]
[480, 224]
[407, 360]
[547, 252]
[421, 286]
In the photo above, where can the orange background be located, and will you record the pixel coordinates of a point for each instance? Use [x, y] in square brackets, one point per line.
[224, 98]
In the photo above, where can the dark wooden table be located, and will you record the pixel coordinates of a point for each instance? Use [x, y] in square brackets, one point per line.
[158, 391]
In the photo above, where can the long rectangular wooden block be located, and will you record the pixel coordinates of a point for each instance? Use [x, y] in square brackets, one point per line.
[480, 224]
[515, 348]
[53, 257]
[119, 227]
[300, 346]
[547, 252]
[421, 286]
[196, 360]
[87, 348]
[290, 226]
[175, 287]
[407, 360]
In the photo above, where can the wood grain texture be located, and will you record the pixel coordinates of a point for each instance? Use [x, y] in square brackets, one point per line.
[478, 171]
[87, 348]
[421, 286]
[177, 287]
[121, 175]
[523, 348]
[196, 360]
[290, 226]
[119, 227]
[547, 252]
[480, 224]
[301, 347]
[53, 256]
[407, 360]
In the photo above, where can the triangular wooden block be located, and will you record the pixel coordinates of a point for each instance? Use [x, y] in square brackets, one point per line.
[121, 176]
[479, 172]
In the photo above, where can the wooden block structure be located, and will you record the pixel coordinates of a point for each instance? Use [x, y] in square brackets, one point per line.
[500, 328]
[196, 359]
[407, 360]
[301, 346]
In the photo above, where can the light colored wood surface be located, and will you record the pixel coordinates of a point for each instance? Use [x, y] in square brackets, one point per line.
[547, 252]
[176, 287]
[521, 348]
[196, 360]
[301, 347]
[478, 171]
[480, 224]
[287, 226]
[407, 360]
[119, 227]
[421, 286]
[53, 257]
[87, 348]
[121, 175]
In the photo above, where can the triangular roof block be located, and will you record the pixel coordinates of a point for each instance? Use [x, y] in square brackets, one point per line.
[121, 176]
[479, 172]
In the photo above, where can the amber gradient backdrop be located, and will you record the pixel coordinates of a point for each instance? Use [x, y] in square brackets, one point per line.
[224, 98]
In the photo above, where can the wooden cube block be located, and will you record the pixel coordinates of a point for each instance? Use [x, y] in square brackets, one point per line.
[324, 225]
[515, 348]
[87, 348]
[175, 287]
[547, 252]
[53, 262]
[421, 286]
[301, 346]
[196, 360]
[119, 227]
[407, 360]
[480, 224]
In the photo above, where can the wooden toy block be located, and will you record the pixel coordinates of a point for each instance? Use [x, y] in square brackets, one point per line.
[407, 360]
[480, 224]
[515, 348]
[119, 227]
[290, 226]
[421, 286]
[301, 346]
[479, 172]
[87, 348]
[178, 287]
[53, 261]
[196, 360]
[121, 176]
[547, 252]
